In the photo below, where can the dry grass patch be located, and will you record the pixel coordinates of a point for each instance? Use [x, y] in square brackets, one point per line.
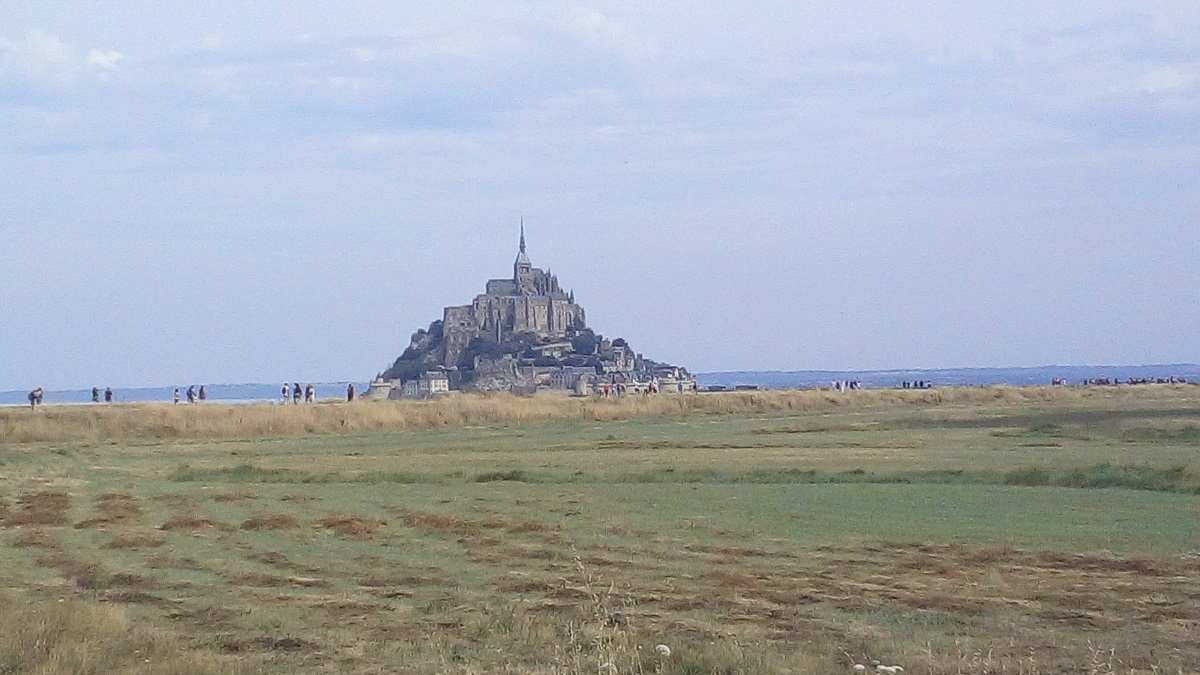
[35, 537]
[275, 581]
[168, 560]
[76, 638]
[349, 525]
[193, 522]
[529, 526]
[271, 521]
[268, 643]
[234, 497]
[176, 499]
[119, 507]
[132, 540]
[113, 508]
[39, 508]
[215, 420]
[440, 522]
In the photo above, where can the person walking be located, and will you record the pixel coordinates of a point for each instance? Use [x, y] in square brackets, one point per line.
[284, 392]
[310, 394]
[297, 392]
[350, 392]
[108, 395]
[95, 395]
[175, 396]
[203, 393]
[191, 394]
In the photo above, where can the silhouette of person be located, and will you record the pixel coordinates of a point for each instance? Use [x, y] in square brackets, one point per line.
[108, 395]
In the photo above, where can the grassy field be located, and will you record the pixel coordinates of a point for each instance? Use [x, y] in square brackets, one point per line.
[980, 530]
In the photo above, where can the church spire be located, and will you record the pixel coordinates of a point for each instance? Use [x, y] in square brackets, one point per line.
[522, 259]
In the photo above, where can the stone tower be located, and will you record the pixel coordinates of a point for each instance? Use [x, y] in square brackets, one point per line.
[523, 269]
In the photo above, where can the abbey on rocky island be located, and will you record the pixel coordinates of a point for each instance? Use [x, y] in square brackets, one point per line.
[522, 334]
[530, 302]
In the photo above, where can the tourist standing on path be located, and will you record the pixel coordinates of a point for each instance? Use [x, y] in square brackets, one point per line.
[297, 392]
[284, 391]
[350, 392]
[108, 395]
[95, 395]
[175, 396]
[203, 393]
[310, 394]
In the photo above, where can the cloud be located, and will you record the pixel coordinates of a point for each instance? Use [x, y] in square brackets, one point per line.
[212, 42]
[601, 30]
[1167, 78]
[46, 63]
[39, 59]
[105, 60]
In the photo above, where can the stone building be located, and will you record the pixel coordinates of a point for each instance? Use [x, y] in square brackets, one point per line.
[530, 302]
[431, 383]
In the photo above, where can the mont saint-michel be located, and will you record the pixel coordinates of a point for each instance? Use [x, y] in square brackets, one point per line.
[522, 334]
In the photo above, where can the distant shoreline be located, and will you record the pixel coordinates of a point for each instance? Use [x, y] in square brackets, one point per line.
[771, 379]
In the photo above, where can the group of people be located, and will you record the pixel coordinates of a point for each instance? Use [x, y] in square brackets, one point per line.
[644, 388]
[195, 394]
[919, 384]
[192, 394]
[308, 392]
[847, 385]
[1105, 381]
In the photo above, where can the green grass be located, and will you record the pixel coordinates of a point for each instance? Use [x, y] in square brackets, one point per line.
[1009, 538]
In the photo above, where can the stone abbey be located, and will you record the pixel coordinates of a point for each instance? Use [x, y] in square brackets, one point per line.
[530, 302]
[522, 334]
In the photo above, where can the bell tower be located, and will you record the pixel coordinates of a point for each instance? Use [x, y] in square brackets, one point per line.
[523, 269]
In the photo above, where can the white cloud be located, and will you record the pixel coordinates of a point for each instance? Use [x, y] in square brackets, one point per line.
[212, 42]
[1167, 78]
[46, 63]
[363, 54]
[39, 58]
[601, 30]
[105, 60]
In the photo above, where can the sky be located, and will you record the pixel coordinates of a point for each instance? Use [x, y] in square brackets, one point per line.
[269, 191]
